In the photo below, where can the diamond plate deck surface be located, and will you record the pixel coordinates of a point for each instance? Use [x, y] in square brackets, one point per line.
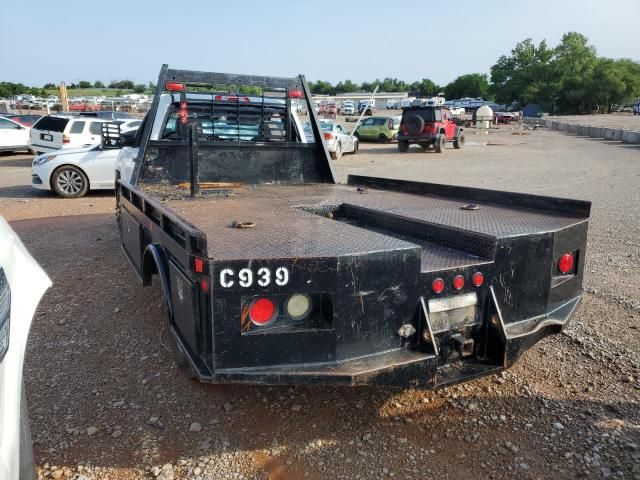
[285, 231]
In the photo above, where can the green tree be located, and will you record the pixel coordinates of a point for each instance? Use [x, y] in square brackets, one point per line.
[139, 88]
[526, 76]
[122, 84]
[470, 85]
[49, 86]
[613, 82]
[84, 84]
[321, 88]
[574, 65]
[346, 87]
[424, 88]
[98, 84]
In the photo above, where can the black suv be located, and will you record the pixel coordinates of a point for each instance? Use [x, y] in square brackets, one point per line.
[429, 127]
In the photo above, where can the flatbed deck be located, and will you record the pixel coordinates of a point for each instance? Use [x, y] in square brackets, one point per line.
[292, 221]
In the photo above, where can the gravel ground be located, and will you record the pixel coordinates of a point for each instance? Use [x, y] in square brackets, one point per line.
[106, 401]
[617, 120]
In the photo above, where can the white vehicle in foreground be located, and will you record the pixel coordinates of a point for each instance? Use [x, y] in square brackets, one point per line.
[73, 172]
[13, 136]
[22, 285]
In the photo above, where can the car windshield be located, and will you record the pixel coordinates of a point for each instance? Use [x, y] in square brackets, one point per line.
[326, 126]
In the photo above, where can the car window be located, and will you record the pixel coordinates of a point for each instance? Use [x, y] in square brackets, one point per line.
[368, 122]
[52, 124]
[95, 128]
[378, 121]
[77, 127]
[6, 124]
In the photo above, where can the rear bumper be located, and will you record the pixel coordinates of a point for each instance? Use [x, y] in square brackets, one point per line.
[43, 148]
[404, 368]
[420, 139]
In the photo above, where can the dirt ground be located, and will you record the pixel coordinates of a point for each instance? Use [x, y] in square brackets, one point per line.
[107, 402]
[619, 120]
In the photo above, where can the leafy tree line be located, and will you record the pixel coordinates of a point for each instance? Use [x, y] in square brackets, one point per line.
[569, 78]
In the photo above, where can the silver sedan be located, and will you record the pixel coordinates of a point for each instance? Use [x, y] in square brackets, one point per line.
[338, 140]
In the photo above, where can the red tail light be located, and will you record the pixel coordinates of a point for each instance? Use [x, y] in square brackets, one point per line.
[328, 136]
[204, 285]
[65, 138]
[174, 86]
[295, 94]
[262, 311]
[390, 124]
[437, 285]
[565, 264]
[458, 282]
[198, 265]
[477, 279]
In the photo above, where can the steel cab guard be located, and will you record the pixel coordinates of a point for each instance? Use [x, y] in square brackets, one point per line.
[273, 273]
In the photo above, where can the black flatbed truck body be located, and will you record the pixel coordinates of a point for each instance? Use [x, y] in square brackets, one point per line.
[366, 254]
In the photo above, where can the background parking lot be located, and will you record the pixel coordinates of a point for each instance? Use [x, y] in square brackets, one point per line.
[107, 402]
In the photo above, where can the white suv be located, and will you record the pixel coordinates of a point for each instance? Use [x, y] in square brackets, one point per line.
[52, 132]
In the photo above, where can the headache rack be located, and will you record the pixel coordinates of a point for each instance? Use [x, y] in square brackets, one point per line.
[219, 114]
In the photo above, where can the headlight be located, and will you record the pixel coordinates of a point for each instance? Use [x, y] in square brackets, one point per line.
[43, 159]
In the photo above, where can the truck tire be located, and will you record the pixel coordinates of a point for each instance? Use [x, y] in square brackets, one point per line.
[382, 138]
[69, 182]
[458, 143]
[338, 153]
[180, 359]
[183, 363]
[403, 146]
[440, 144]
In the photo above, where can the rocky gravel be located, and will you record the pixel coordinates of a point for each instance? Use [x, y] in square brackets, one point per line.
[107, 402]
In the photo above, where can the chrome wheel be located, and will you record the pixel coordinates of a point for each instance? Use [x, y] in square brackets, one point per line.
[70, 182]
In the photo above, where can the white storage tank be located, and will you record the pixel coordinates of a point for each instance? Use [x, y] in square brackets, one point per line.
[484, 117]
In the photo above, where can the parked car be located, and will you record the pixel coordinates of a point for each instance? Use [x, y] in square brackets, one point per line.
[429, 127]
[22, 285]
[366, 107]
[504, 117]
[379, 129]
[71, 173]
[13, 136]
[348, 108]
[457, 110]
[392, 104]
[53, 132]
[338, 140]
[24, 120]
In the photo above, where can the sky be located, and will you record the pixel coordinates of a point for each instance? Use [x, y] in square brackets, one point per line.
[45, 41]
